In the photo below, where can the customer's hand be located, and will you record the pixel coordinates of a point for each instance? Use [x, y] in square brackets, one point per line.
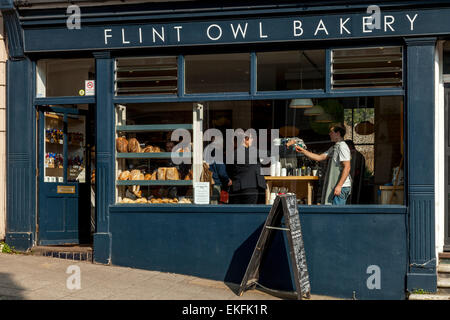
[337, 191]
[230, 182]
[299, 149]
[290, 142]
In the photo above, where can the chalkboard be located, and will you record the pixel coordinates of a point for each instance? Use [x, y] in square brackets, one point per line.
[283, 206]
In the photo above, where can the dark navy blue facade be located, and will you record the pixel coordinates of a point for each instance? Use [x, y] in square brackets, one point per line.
[217, 242]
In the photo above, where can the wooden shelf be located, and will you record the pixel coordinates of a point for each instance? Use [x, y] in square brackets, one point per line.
[153, 127]
[154, 182]
[290, 178]
[153, 155]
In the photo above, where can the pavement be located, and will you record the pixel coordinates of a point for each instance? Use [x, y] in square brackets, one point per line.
[28, 277]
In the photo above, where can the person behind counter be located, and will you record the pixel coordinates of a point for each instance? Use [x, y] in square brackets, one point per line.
[219, 173]
[338, 184]
[247, 181]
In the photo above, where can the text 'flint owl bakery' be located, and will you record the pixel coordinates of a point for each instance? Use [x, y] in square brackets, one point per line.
[257, 30]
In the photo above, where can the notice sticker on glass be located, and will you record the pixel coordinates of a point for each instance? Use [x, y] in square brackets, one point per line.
[201, 192]
[89, 87]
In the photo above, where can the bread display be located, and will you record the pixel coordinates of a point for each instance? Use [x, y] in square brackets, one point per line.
[148, 149]
[121, 144]
[154, 175]
[124, 175]
[147, 176]
[157, 201]
[136, 175]
[134, 146]
[162, 173]
[172, 174]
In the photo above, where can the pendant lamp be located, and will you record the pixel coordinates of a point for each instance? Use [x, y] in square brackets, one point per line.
[316, 110]
[324, 118]
[301, 103]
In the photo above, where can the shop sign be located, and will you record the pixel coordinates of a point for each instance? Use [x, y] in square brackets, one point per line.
[271, 29]
[89, 87]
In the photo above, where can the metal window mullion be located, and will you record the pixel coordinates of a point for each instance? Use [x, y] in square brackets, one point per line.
[253, 74]
[181, 76]
[328, 70]
[65, 146]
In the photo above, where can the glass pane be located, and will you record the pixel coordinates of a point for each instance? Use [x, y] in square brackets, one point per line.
[152, 75]
[147, 172]
[367, 67]
[217, 73]
[54, 147]
[291, 70]
[76, 146]
[63, 77]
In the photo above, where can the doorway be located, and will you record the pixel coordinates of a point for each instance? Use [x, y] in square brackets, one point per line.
[65, 162]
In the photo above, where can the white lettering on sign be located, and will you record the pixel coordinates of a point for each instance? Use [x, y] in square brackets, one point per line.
[388, 23]
[239, 29]
[123, 37]
[367, 22]
[412, 21]
[244, 30]
[160, 35]
[178, 28]
[107, 35]
[321, 26]
[342, 26]
[261, 35]
[219, 29]
[298, 31]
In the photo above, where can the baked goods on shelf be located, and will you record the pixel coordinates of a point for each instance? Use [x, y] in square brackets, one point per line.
[136, 175]
[156, 200]
[172, 173]
[162, 173]
[134, 146]
[124, 175]
[122, 144]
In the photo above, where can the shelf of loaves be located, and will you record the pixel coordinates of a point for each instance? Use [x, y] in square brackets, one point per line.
[153, 127]
[153, 155]
[154, 182]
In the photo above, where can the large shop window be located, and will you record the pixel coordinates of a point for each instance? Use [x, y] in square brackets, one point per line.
[217, 73]
[63, 77]
[291, 70]
[166, 152]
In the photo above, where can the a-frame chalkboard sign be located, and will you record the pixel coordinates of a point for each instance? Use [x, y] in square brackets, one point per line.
[284, 206]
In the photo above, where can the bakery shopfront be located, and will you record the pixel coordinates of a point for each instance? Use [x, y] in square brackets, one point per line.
[111, 119]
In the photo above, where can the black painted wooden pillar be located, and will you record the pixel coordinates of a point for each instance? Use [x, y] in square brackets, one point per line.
[420, 163]
[104, 195]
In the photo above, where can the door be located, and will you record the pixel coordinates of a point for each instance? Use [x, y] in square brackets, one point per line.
[447, 167]
[64, 198]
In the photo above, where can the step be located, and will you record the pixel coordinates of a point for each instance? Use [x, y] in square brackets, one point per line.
[429, 296]
[70, 252]
[444, 268]
[444, 255]
[443, 282]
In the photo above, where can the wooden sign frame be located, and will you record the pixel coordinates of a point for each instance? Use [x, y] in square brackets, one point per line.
[283, 206]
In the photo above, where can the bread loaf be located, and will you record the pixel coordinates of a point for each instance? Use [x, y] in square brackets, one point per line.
[121, 144]
[162, 173]
[134, 146]
[124, 175]
[154, 175]
[172, 174]
[136, 175]
[148, 176]
[148, 149]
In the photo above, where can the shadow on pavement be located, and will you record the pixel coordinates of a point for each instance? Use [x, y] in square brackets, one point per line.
[9, 289]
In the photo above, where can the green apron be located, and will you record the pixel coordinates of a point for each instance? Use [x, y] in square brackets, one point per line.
[332, 176]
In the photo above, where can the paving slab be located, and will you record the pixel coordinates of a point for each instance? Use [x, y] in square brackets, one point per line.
[45, 278]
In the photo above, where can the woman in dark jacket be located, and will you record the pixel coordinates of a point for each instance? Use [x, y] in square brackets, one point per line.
[247, 181]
